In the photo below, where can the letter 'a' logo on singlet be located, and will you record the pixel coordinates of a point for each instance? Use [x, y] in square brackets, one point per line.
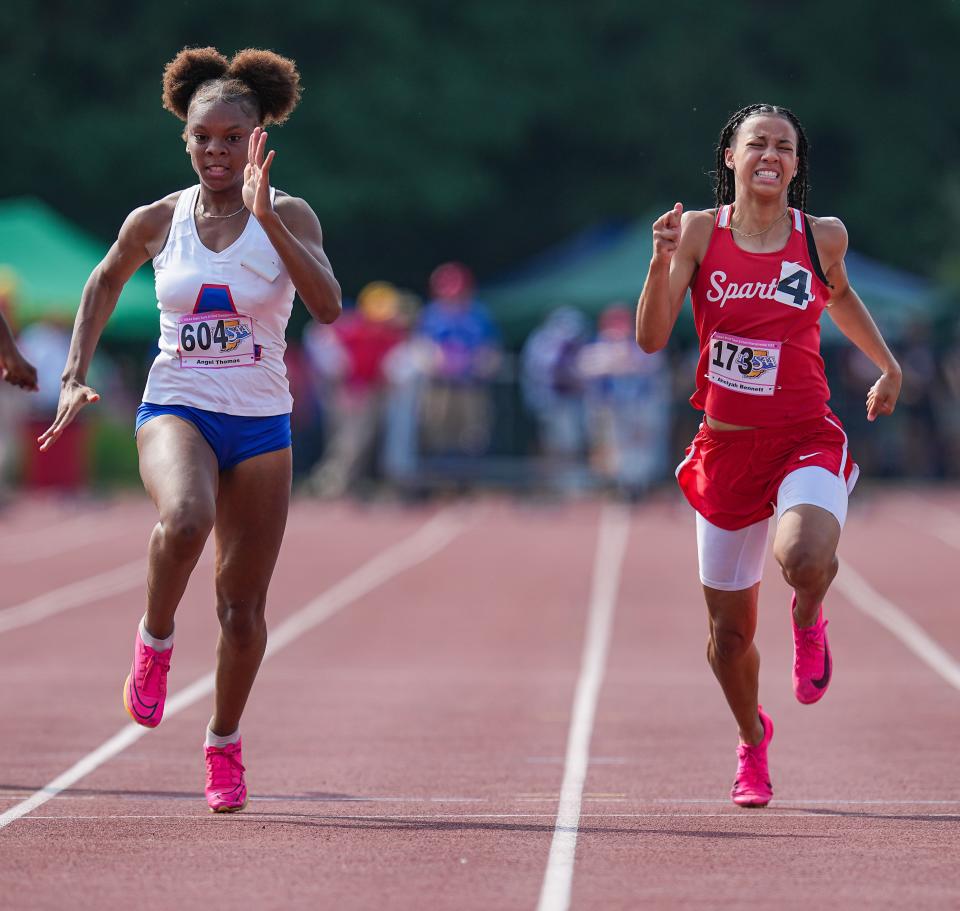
[214, 299]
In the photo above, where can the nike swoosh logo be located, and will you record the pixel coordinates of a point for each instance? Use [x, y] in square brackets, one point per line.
[809, 455]
[146, 705]
[825, 679]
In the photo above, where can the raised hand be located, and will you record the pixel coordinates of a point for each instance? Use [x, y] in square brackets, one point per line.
[256, 175]
[73, 397]
[882, 397]
[666, 233]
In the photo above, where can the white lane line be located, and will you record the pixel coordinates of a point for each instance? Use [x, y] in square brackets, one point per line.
[680, 801]
[939, 521]
[427, 541]
[60, 526]
[608, 562]
[820, 801]
[65, 536]
[258, 817]
[868, 600]
[75, 594]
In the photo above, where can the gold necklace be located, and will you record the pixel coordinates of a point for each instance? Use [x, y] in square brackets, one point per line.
[764, 231]
[204, 214]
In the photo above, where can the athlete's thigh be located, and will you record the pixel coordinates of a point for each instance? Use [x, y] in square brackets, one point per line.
[808, 529]
[812, 507]
[177, 465]
[730, 561]
[251, 516]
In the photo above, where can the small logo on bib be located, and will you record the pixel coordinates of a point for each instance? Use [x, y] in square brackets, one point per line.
[744, 364]
[212, 341]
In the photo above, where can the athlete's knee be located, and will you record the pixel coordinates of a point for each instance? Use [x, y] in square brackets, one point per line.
[186, 528]
[803, 567]
[727, 643]
[242, 620]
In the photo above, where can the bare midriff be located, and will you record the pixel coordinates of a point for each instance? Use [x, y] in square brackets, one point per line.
[714, 424]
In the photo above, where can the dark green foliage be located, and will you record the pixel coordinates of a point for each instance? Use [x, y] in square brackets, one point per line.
[488, 130]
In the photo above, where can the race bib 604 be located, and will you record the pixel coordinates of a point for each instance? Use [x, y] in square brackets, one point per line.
[211, 341]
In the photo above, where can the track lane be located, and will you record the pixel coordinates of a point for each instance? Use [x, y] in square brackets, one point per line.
[431, 694]
[59, 704]
[866, 799]
[432, 751]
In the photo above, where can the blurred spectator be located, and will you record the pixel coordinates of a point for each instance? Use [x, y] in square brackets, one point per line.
[628, 405]
[877, 447]
[13, 402]
[923, 455]
[350, 353]
[456, 409]
[46, 344]
[948, 403]
[407, 368]
[307, 418]
[553, 392]
[13, 406]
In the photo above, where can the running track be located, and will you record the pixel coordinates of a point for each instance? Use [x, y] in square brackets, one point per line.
[480, 706]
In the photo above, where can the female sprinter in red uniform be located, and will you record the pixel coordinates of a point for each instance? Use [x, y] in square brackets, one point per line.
[213, 431]
[760, 272]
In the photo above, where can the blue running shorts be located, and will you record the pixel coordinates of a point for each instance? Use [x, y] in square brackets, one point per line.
[233, 438]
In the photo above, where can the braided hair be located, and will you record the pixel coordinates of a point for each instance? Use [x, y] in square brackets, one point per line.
[264, 84]
[724, 187]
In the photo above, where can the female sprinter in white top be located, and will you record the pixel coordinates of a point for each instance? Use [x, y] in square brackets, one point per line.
[213, 432]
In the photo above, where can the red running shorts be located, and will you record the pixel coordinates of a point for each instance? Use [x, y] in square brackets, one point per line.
[731, 477]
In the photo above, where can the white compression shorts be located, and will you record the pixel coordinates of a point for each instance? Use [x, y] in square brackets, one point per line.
[733, 560]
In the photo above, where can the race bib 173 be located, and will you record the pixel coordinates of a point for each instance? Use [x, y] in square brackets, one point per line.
[744, 364]
[211, 341]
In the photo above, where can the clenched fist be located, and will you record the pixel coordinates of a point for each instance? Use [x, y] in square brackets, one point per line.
[666, 233]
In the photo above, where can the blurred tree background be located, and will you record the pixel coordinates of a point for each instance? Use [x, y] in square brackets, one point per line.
[486, 131]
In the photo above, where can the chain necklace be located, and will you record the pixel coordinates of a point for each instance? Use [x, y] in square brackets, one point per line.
[204, 214]
[776, 221]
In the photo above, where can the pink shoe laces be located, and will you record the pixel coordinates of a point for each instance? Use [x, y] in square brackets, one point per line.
[750, 767]
[224, 769]
[810, 643]
[155, 670]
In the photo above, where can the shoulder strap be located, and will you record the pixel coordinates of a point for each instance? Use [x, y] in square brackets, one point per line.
[185, 204]
[812, 251]
[723, 217]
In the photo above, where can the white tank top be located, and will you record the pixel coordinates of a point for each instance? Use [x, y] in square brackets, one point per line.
[222, 321]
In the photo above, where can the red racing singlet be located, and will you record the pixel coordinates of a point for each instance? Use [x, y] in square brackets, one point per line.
[758, 322]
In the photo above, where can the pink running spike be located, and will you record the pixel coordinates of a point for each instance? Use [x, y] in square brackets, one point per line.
[145, 688]
[812, 663]
[752, 787]
[226, 789]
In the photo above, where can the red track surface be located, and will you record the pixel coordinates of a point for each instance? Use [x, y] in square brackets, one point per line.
[407, 753]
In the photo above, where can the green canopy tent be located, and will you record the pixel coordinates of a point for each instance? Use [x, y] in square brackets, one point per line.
[50, 259]
[608, 264]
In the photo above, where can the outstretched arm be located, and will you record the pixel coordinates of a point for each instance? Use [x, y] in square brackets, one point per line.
[97, 302]
[14, 367]
[854, 321]
[294, 231]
